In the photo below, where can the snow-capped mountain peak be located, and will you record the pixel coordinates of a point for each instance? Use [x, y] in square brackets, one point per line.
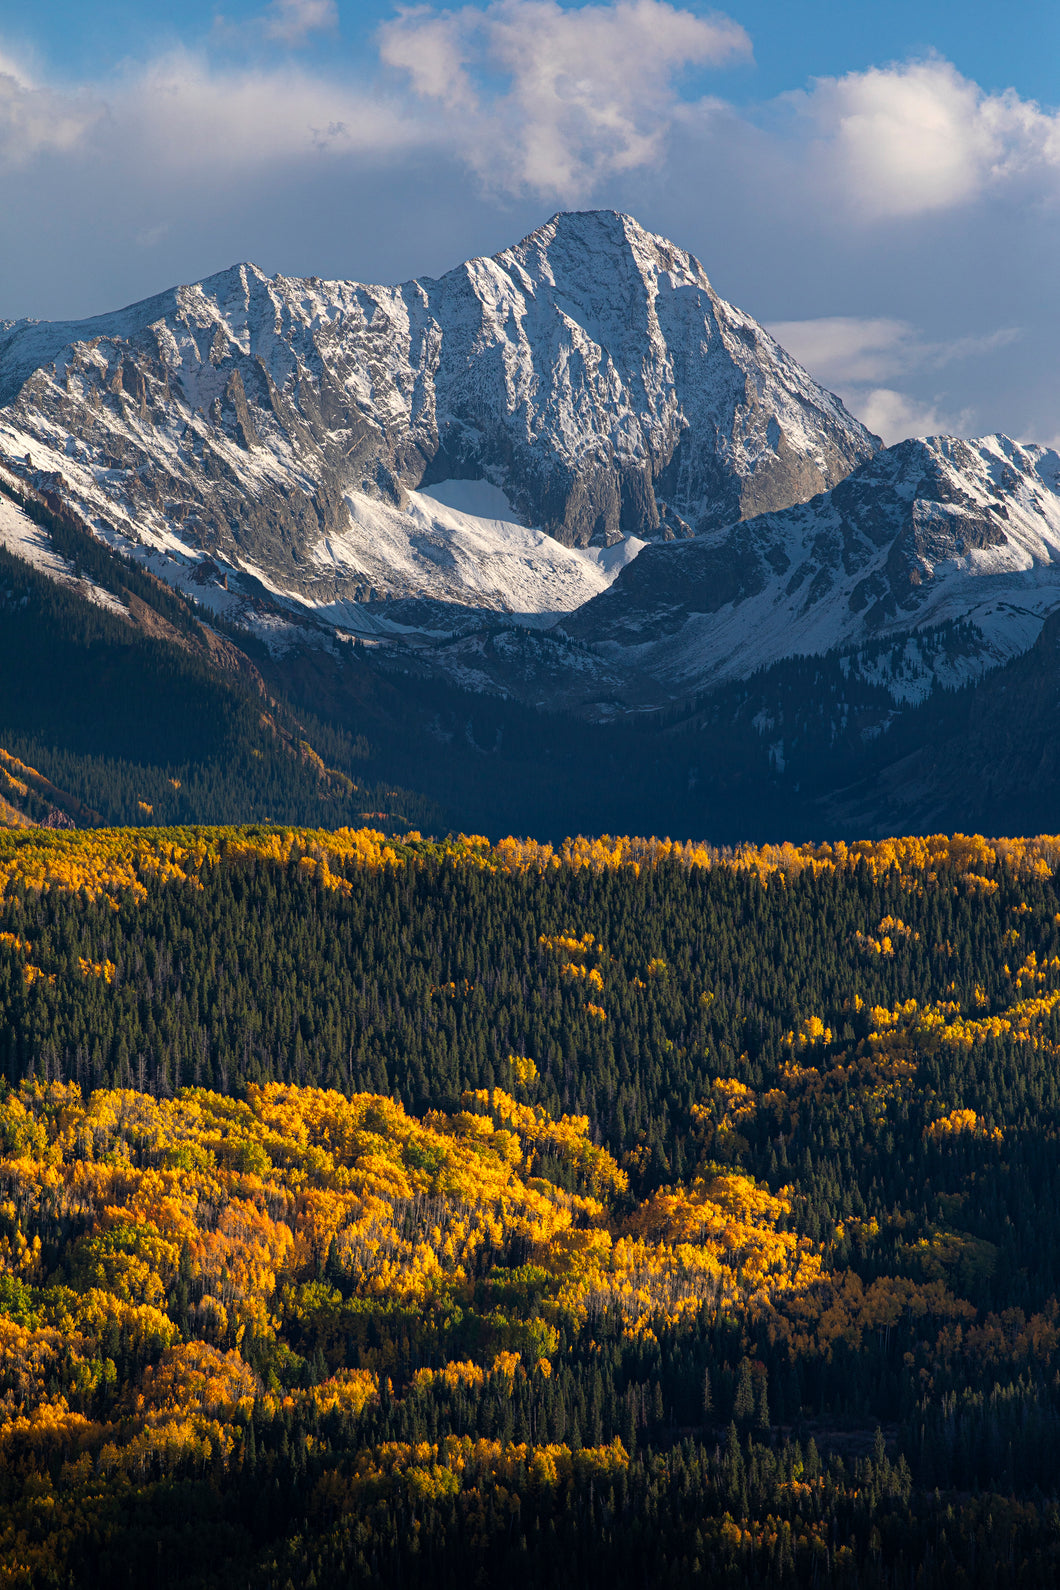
[590, 372]
[577, 427]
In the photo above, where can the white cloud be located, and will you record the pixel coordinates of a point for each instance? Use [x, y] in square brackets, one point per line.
[562, 102]
[533, 97]
[184, 116]
[151, 236]
[841, 349]
[854, 357]
[432, 49]
[292, 21]
[527, 95]
[896, 415]
[907, 139]
[551, 100]
[904, 193]
[36, 120]
[942, 353]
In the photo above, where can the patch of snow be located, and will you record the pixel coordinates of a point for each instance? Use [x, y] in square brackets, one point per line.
[478, 498]
[612, 560]
[23, 537]
[446, 554]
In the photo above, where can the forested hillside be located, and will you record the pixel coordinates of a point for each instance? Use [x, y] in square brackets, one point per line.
[386, 1212]
[119, 704]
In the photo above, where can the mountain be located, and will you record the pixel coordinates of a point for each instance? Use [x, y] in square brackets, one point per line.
[559, 541]
[983, 759]
[119, 705]
[934, 562]
[925, 533]
[590, 376]
[576, 430]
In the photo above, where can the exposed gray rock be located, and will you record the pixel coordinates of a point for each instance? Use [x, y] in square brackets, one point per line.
[926, 532]
[591, 372]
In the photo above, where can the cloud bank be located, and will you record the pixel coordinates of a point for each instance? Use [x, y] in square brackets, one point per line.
[292, 21]
[855, 357]
[582, 94]
[909, 139]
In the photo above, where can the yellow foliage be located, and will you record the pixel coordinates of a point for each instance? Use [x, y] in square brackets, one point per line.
[454, 1376]
[103, 969]
[523, 1069]
[348, 1391]
[196, 1375]
[736, 1099]
[116, 861]
[811, 1032]
[410, 1210]
[431, 1469]
[575, 949]
[536, 1132]
[841, 1307]
[253, 1211]
[890, 929]
[960, 1122]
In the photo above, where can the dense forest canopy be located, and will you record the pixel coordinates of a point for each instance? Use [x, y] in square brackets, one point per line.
[383, 1211]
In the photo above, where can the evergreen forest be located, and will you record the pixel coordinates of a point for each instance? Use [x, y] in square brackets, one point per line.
[378, 1211]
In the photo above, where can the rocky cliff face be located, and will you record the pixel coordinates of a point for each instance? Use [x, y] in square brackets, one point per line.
[507, 438]
[591, 373]
[926, 533]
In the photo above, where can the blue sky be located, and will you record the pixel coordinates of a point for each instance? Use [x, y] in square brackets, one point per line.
[880, 183]
[1000, 47]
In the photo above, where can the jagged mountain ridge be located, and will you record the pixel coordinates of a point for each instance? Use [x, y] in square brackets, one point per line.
[933, 563]
[591, 373]
[833, 745]
[288, 451]
[927, 532]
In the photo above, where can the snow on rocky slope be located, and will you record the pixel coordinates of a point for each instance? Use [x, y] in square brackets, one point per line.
[927, 532]
[411, 463]
[431, 550]
[24, 538]
[279, 425]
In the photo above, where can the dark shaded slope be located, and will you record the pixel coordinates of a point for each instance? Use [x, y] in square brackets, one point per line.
[154, 716]
[986, 758]
[814, 747]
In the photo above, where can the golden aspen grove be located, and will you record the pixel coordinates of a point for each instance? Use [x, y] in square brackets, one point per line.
[383, 1211]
